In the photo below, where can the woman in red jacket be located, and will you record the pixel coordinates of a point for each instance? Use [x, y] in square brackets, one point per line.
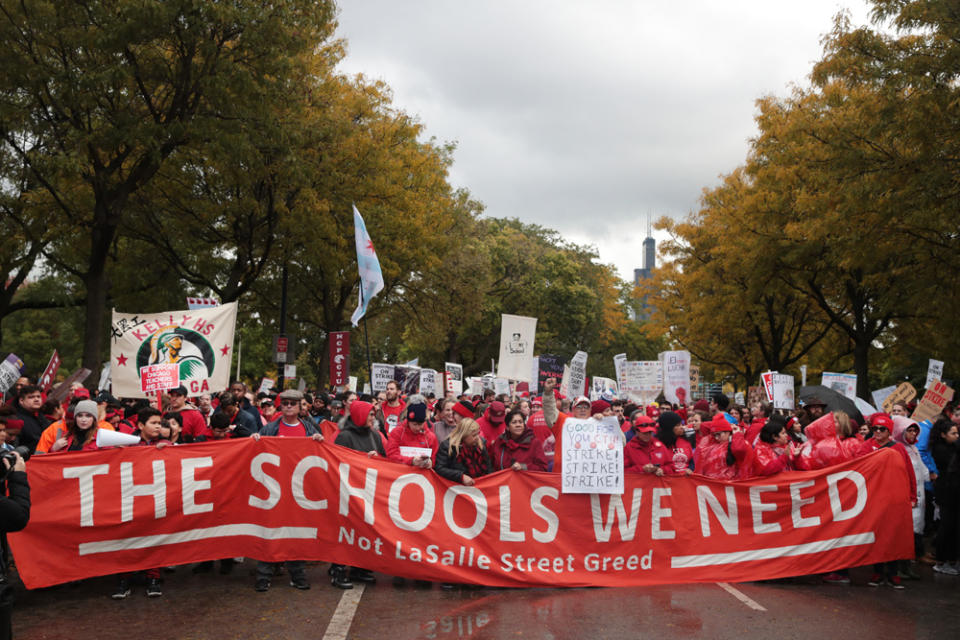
[670, 432]
[772, 453]
[643, 453]
[722, 455]
[517, 447]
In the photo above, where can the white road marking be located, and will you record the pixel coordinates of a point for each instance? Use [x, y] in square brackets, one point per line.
[343, 617]
[741, 596]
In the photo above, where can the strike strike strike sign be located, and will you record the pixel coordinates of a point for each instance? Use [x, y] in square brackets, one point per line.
[278, 499]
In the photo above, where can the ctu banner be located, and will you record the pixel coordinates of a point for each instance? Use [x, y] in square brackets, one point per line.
[276, 499]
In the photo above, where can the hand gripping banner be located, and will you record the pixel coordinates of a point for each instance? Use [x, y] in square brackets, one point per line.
[117, 510]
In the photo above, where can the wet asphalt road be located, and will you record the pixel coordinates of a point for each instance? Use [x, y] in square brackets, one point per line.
[215, 606]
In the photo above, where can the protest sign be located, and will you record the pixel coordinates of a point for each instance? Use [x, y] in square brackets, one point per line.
[694, 378]
[10, 370]
[60, 392]
[844, 383]
[676, 376]
[416, 452]
[46, 380]
[428, 381]
[454, 378]
[352, 384]
[409, 379]
[578, 374]
[475, 386]
[278, 499]
[565, 382]
[643, 379]
[104, 383]
[934, 372]
[159, 377]
[501, 386]
[380, 375]
[766, 380]
[266, 384]
[933, 402]
[803, 375]
[903, 393]
[301, 385]
[739, 398]
[199, 342]
[517, 334]
[592, 457]
[880, 395]
[755, 395]
[551, 366]
[534, 374]
[339, 357]
[602, 388]
[618, 361]
[289, 371]
[783, 392]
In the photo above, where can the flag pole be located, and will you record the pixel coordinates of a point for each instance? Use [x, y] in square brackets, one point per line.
[366, 339]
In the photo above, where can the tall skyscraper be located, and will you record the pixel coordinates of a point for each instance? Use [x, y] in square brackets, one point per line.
[649, 256]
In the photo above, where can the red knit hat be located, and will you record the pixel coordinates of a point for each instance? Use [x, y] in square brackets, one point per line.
[359, 411]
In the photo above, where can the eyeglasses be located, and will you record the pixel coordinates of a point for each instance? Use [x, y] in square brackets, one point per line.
[880, 429]
[290, 403]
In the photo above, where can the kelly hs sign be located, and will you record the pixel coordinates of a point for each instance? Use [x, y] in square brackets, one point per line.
[339, 358]
[276, 499]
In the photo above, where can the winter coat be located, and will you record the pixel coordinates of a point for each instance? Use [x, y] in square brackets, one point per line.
[360, 438]
[710, 458]
[679, 458]
[33, 426]
[403, 436]
[768, 460]
[527, 450]
[920, 472]
[490, 431]
[449, 467]
[637, 454]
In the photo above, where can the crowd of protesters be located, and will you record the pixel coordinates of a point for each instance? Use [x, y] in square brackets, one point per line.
[464, 438]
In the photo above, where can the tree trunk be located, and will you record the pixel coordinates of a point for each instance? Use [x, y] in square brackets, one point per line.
[861, 353]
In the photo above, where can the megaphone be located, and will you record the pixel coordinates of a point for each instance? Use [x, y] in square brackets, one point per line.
[107, 438]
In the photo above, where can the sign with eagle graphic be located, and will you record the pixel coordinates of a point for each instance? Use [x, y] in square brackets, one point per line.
[198, 341]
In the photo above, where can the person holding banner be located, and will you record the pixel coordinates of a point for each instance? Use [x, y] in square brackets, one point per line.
[643, 453]
[463, 457]
[80, 433]
[517, 447]
[411, 442]
[671, 432]
[358, 433]
[723, 455]
[772, 453]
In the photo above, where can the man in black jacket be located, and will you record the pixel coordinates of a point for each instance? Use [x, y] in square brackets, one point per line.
[14, 514]
[27, 407]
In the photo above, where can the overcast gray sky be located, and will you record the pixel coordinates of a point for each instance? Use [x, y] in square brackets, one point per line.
[585, 117]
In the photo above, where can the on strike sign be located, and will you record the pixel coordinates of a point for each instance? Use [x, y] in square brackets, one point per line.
[159, 377]
[592, 457]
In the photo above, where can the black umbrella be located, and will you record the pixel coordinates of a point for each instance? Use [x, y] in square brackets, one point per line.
[834, 400]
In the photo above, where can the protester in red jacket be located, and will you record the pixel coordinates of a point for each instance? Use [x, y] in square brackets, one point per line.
[492, 423]
[882, 427]
[643, 453]
[670, 431]
[411, 442]
[772, 453]
[722, 455]
[517, 447]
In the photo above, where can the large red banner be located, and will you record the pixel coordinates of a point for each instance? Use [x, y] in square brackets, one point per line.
[120, 510]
